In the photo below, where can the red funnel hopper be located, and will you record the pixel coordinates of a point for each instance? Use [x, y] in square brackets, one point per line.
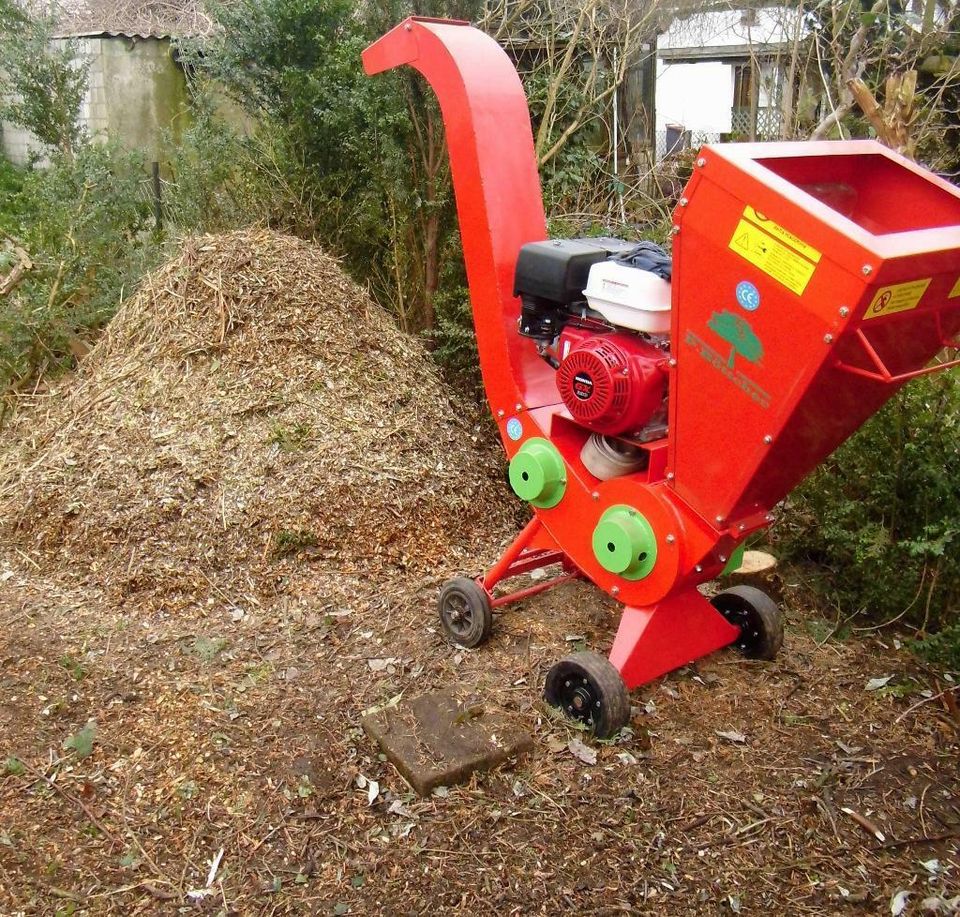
[811, 281]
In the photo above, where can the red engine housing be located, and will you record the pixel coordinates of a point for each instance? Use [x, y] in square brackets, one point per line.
[611, 383]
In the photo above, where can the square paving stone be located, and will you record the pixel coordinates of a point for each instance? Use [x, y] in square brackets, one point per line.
[438, 740]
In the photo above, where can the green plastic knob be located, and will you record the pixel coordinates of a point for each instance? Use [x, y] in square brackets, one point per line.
[624, 543]
[537, 473]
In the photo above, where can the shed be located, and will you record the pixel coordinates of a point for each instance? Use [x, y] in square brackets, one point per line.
[137, 88]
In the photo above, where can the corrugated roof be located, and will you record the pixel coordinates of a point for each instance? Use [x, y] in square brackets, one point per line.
[132, 18]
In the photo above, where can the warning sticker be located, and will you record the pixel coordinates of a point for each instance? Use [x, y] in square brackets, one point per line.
[784, 235]
[780, 261]
[955, 291]
[900, 297]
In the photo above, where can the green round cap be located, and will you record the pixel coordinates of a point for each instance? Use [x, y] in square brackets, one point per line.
[537, 473]
[624, 542]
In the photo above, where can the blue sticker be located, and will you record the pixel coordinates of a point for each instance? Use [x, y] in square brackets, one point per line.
[748, 296]
[514, 429]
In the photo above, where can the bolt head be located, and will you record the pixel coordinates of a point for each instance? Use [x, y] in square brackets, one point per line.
[828, 339]
[615, 590]
[844, 312]
[701, 162]
[698, 568]
[720, 520]
[742, 527]
[595, 495]
[684, 202]
[674, 230]
[671, 539]
[867, 270]
[768, 439]
[669, 475]
[518, 406]
[723, 558]
[500, 413]
[672, 361]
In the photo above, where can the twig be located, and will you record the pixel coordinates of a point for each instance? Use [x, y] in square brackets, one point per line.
[77, 802]
[923, 839]
[864, 823]
[925, 700]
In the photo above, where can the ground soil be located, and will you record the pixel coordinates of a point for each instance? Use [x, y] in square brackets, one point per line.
[237, 730]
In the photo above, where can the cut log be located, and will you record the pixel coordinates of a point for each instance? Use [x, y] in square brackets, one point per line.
[758, 569]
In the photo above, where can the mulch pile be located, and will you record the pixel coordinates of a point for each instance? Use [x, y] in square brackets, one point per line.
[248, 409]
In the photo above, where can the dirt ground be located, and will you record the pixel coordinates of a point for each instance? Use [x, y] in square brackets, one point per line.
[143, 747]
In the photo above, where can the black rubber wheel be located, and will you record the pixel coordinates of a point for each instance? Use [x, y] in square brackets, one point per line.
[465, 614]
[586, 687]
[758, 617]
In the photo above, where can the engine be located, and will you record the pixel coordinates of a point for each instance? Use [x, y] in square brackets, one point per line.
[599, 313]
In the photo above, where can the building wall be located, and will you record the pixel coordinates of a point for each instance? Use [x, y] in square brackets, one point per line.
[136, 95]
[697, 96]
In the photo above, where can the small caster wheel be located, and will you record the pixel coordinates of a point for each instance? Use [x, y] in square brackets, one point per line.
[758, 617]
[586, 687]
[465, 613]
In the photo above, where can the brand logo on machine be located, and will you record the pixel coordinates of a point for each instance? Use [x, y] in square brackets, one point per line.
[748, 296]
[582, 386]
[736, 331]
[743, 342]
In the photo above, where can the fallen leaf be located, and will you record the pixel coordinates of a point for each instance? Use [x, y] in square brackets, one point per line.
[848, 749]
[82, 742]
[582, 752]
[898, 903]
[875, 684]
[737, 738]
[398, 808]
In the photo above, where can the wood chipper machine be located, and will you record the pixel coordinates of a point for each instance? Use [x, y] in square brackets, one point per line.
[655, 411]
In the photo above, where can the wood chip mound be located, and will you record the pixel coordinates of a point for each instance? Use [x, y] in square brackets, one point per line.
[249, 409]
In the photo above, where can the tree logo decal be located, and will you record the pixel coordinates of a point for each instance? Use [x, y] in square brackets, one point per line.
[736, 331]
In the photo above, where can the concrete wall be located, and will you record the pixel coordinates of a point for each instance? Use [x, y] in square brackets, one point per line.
[136, 95]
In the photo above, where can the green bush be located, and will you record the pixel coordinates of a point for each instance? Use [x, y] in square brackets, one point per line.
[86, 225]
[882, 514]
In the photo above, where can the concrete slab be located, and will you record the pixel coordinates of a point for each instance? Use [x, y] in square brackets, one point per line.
[439, 740]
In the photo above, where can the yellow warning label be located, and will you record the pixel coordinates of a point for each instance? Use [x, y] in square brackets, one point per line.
[772, 257]
[955, 291]
[900, 297]
[784, 235]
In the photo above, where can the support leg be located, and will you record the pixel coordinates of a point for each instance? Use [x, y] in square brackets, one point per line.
[652, 641]
[532, 549]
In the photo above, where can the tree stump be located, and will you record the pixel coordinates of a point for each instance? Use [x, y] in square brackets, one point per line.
[758, 569]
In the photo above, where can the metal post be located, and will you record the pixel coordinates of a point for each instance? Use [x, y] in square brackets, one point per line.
[157, 200]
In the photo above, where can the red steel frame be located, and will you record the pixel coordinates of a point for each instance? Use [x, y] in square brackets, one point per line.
[728, 459]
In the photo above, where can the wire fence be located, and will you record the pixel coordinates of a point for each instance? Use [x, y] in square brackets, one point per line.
[675, 140]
